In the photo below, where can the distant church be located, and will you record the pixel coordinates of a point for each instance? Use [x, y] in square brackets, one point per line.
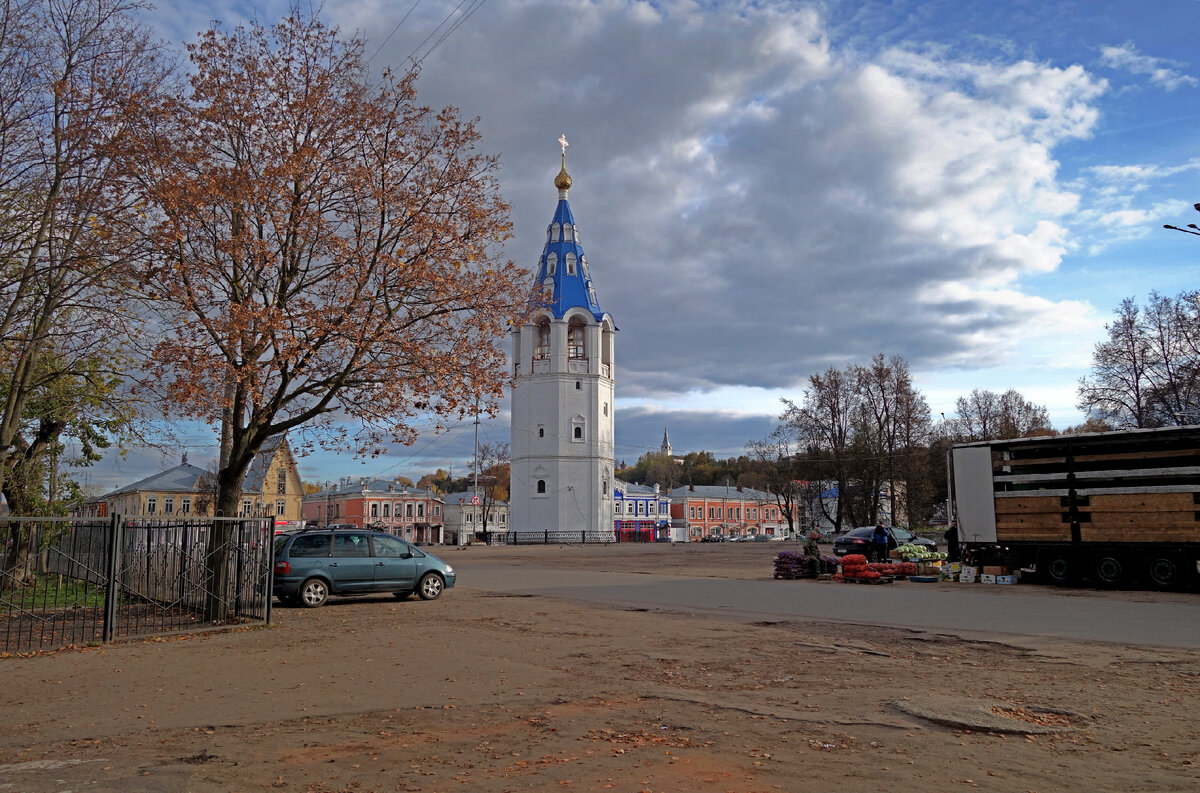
[562, 400]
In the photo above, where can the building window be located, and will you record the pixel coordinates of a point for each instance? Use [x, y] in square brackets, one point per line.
[281, 482]
[387, 510]
[570, 263]
[629, 507]
[169, 505]
[502, 517]
[541, 432]
[579, 433]
[641, 507]
[470, 517]
[583, 263]
[186, 506]
[246, 507]
[651, 507]
[374, 510]
[575, 340]
[541, 485]
[408, 510]
[543, 341]
[578, 385]
[551, 261]
[568, 233]
[437, 510]
[152, 505]
[421, 510]
[280, 507]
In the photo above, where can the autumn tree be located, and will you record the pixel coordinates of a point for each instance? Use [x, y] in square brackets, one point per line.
[491, 463]
[987, 415]
[73, 75]
[327, 251]
[773, 462]
[1147, 372]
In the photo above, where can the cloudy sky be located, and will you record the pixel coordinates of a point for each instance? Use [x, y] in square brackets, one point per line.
[766, 189]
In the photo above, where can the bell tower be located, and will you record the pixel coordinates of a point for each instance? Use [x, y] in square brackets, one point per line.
[562, 399]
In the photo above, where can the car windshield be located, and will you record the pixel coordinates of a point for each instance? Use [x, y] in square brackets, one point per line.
[902, 535]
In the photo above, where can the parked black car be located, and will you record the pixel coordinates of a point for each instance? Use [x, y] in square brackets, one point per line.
[859, 540]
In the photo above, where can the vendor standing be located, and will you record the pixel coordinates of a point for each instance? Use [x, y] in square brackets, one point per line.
[879, 541]
[951, 538]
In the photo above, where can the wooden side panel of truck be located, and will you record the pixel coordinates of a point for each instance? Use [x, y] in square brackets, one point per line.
[1104, 505]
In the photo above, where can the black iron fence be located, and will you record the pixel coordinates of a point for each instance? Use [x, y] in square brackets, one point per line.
[557, 537]
[70, 581]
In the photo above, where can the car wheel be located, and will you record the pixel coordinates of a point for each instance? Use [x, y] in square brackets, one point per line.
[1060, 568]
[313, 592]
[1109, 569]
[1164, 572]
[430, 586]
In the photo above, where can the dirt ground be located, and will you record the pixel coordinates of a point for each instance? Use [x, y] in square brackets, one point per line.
[485, 692]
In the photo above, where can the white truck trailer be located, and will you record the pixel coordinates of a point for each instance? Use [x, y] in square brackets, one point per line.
[1114, 508]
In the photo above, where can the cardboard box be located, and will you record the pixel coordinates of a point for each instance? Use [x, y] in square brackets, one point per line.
[963, 578]
[967, 569]
[987, 578]
[1005, 579]
[953, 567]
[989, 569]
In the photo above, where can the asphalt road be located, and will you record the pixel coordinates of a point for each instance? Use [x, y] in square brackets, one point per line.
[1130, 618]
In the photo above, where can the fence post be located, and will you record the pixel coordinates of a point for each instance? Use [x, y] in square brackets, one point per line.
[240, 569]
[546, 538]
[109, 627]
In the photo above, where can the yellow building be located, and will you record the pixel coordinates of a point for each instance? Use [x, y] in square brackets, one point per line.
[272, 488]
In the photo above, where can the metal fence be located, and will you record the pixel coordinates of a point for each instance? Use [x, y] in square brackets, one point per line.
[558, 537]
[72, 581]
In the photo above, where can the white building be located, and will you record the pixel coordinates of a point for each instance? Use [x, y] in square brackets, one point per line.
[464, 520]
[562, 401]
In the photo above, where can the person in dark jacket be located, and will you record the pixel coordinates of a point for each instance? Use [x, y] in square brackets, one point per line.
[952, 541]
[879, 542]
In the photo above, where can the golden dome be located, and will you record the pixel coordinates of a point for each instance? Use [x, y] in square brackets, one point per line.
[563, 180]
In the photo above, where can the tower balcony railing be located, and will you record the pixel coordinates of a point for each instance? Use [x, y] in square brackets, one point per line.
[605, 369]
[577, 365]
[541, 366]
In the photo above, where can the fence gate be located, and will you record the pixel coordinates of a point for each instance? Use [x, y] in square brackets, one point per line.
[72, 581]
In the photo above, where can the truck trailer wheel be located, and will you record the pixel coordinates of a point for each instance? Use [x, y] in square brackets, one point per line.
[1164, 571]
[1061, 568]
[1109, 570]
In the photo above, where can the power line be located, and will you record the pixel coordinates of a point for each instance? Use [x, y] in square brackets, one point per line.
[476, 4]
[398, 24]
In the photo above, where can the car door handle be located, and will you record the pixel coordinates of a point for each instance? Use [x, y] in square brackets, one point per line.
[333, 564]
[379, 564]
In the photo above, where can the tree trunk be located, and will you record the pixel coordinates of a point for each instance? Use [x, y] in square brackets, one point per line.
[221, 538]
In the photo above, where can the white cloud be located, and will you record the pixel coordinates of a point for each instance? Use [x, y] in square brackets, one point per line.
[1161, 71]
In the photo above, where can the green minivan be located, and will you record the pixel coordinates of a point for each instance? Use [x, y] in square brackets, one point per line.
[312, 564]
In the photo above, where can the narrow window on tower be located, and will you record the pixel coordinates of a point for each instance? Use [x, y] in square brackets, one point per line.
[541, 486]
[570, 263]
[578, 385]
[575, 340]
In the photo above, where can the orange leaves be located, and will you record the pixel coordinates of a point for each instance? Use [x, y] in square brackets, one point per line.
[333, 243]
